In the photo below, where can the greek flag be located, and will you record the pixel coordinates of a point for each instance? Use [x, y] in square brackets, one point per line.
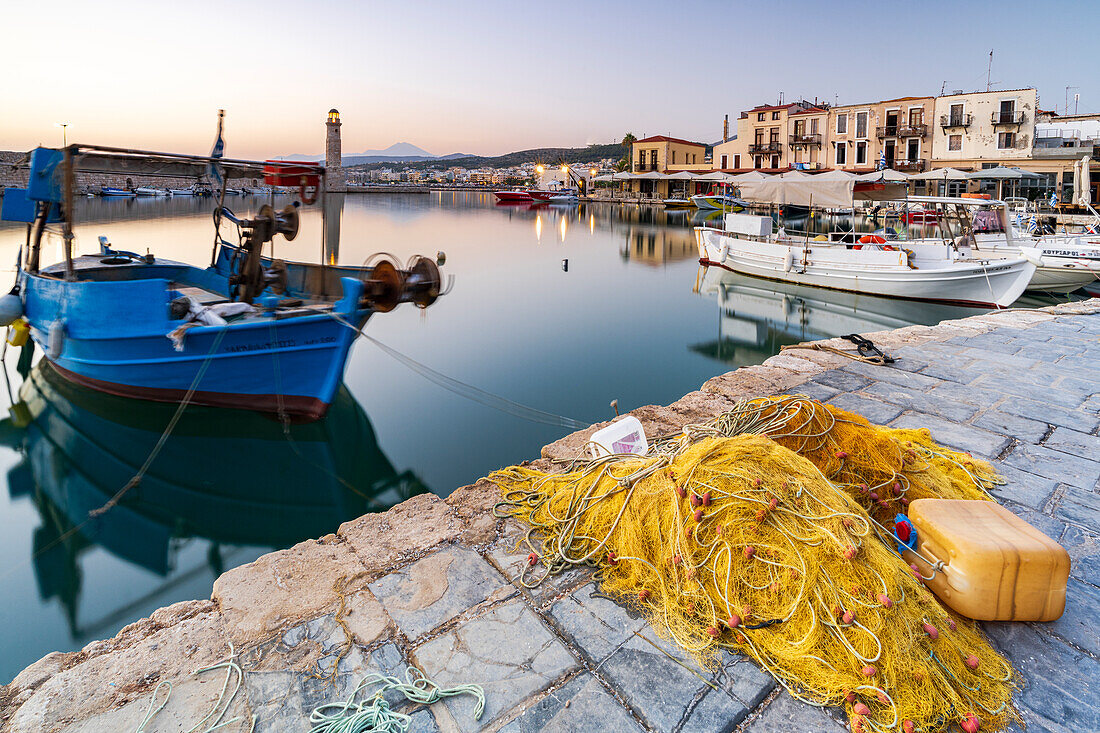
[218, 150]
[1033, 225]
[1018, 220]
[882, 160]
[1053, 199]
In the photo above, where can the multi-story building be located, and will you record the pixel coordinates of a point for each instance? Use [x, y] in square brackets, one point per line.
[762, 137]
[660, 152]
[893, 133]
[983, 129]
[807, 137]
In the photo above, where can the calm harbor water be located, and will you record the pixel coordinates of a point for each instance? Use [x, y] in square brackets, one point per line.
[561, 309]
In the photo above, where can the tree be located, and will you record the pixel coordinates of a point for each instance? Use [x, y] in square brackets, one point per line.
[628, 142]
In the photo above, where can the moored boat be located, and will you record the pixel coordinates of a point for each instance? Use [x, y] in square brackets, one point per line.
[261, 335]
[513, 197]
[149, 191]
[116, 192]
[722, 202]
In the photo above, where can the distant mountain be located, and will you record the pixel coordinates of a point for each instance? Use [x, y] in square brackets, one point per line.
[397, 153]
[550, 156]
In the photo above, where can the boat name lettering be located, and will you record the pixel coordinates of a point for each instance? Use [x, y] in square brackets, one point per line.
[265, 346]
[320, 340]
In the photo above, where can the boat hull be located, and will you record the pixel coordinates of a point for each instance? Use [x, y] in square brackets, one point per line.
[995, 284]
[114, 338]
[513, 197]
[723, 203]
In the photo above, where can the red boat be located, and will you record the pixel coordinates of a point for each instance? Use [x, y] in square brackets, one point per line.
[920, 216]
[513, 197]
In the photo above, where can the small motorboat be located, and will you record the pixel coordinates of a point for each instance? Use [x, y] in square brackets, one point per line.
[722, 202]
[147, 191]
[564, 199]
[116, 192]
[675, 203]
[247, 332]
[513, 197]
[919, 215]
[181, 192]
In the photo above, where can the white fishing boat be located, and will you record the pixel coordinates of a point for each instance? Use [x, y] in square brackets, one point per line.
[720, 201]
[148, 191]
[925, 269]
[181, 192]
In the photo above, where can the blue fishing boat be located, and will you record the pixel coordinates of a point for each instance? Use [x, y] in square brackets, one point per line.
[245, 332]
[116, 192]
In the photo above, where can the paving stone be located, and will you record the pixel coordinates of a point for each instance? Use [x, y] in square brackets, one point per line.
[995, 341]
[1048, 525]
[877, 373]
[506, 650]
[1078, 623]
[510, 557]
[1060, 694]
[1005, 423]
[1044, 392]
[955, 369]
[282, 699]
[915, 399]
[1081, 508]
[1084, 554]
[744, 680]
[982, 396]
[1078, 385]
[960, 437]
[1063, 467]
[437, 588]
[876, 411]
[815, 391]
[786, 715]
[842, 380]
[1080, 420]
[984, 364]
[1073, 442]
[1022, 487]
[658, 688]
[1041, 352]
[580, 704]
[595, 623]
[716, 712]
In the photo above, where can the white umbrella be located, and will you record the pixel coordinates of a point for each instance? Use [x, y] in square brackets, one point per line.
[604, 178]
[940, 174]
[651, 176]
[837, 175]
[1082, 183]
[1001, 173]
[715, 176]
[887, 174]
[623, 176]
[794, 175]
[749, 177]
[682, 176]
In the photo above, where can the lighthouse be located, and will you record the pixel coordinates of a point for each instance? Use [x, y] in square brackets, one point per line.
[334, 171]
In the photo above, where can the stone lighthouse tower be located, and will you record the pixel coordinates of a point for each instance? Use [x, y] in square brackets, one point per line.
[334, 170]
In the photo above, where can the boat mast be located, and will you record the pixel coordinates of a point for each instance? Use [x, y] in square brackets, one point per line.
[69, 164]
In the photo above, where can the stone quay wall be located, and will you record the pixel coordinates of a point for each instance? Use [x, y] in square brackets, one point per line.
[434, 582]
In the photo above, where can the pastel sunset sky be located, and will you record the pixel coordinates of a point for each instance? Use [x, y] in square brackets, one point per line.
[491, 77]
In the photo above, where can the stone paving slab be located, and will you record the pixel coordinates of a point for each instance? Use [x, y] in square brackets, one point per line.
[435, 583]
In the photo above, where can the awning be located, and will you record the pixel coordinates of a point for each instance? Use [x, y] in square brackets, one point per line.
[941, 174]
[604, 178]
[681, 176]
[622, 176]
[716, 176]
[1001, 173]
[799, 189]
[886, 174]
[650, 176]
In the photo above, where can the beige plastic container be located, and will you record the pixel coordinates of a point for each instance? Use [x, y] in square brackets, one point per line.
[996, 566]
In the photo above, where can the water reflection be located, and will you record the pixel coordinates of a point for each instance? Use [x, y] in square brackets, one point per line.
[224, 478]
[756, 317]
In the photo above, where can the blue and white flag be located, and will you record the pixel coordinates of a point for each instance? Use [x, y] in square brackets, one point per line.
[1053, 199]
[218, 150]
[882, 160]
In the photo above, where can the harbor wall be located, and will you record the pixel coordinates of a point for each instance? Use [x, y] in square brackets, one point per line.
[436, 582]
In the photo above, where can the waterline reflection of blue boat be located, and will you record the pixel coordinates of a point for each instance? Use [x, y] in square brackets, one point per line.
[229, 477]
[132, 325]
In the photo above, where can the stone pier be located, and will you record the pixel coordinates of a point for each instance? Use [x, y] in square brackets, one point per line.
[433, 582]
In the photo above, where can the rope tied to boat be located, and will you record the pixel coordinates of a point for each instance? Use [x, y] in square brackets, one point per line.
[866, 351]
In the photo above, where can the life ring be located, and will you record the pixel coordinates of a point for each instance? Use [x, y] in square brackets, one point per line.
[872, 239]
[302, 192]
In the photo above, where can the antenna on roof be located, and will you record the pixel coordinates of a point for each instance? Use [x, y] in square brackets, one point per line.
[943, 87]
[989, 71]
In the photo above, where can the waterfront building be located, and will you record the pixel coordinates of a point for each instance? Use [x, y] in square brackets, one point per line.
[892, 133]
[761, 140]
[807, 138]
[661, 154]
[983, 129]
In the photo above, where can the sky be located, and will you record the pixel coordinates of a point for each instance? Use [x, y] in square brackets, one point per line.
[492, 77]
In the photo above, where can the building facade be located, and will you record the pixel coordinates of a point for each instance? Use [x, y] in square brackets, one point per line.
[762, 139]
[984, 129]
[660, 152]
[892, 133]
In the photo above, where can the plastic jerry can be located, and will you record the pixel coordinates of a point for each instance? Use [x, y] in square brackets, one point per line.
[625, 435]
[995, 566]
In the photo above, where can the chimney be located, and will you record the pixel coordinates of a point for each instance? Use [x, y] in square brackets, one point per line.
[726, 129]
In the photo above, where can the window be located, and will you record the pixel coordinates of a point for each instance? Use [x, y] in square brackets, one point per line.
[760, 136]
[861, 124]
[723, 162]
[760, 117]
[1008, 110]
[773, 135]
[673, 161]
[775, 115]
[955, 142]
[842, 124]
[956, 114]
[799, 128]
[1006, 140]
[813, 126]
[653, 159]
[775, 161]
[842, 153]
[861, 153]
[916, 116]
[737, 161]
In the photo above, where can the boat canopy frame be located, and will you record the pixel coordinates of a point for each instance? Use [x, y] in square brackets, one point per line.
[83, 158]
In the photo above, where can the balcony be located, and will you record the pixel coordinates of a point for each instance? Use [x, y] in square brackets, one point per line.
[909, 166]
[804, 139]
[956, 120]
[765, 148]
[642, 167]
[901, 131]
[1008, 118]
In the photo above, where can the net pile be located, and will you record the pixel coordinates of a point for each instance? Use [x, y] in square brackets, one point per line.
[727, 539]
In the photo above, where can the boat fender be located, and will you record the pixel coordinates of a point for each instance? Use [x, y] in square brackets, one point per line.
[909, 257]
[723, 252]
[11, 307]
[788, 261]
[1028, 253]
[55, 341]
[20, 330]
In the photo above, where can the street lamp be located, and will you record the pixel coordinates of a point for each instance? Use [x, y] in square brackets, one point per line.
[64, 138]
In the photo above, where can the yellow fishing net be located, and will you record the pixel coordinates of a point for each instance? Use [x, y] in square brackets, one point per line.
[739, 542]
